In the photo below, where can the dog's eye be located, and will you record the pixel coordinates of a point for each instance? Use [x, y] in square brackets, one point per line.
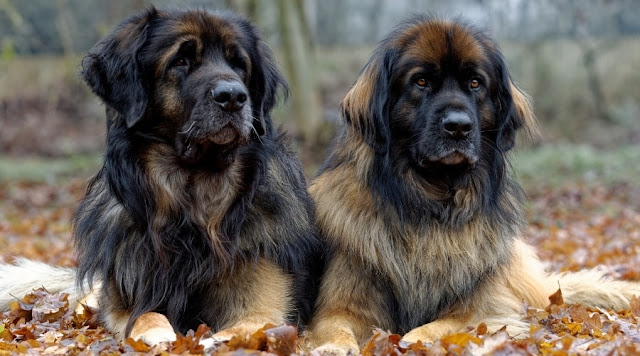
[240, 66]
[474, 84]
[179, 62]
[422, 82]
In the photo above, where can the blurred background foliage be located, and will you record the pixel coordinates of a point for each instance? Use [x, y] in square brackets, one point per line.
[580, 60]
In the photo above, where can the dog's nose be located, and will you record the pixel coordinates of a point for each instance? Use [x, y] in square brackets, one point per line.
[457, 124]
[229, 95]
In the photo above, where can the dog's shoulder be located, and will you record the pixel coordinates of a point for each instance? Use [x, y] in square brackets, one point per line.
[280, 197]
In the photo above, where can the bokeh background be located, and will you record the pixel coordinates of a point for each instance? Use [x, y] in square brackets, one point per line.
[579, 59]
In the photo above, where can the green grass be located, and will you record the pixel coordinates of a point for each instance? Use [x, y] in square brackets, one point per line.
[561, 163]
[38, 169]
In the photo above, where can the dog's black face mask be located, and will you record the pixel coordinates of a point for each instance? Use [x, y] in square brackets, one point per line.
[439, 101]
[205, 89]
[440, 114]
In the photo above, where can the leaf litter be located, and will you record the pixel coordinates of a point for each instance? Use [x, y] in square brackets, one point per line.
[573, 227]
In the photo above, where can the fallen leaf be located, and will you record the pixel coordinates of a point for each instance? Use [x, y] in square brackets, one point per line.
[635, 306]
[460, 339]
[556, 298]
[481, 329]
[382, 343]
[138, 345]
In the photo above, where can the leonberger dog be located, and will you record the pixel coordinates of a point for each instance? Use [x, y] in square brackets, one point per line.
[200, 212]
[423, 218]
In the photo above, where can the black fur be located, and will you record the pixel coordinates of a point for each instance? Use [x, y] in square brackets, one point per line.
[154, 258]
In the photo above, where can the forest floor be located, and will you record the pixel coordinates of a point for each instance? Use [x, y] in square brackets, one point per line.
[583, 212]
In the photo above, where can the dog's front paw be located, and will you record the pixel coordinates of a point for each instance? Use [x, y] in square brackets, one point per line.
[155, 336]
[421, 333]
[152, 328]
[243, 330]
[213, 342]
[334, 350]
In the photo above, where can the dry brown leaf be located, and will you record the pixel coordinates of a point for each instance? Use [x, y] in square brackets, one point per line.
[383, 343]
[569, 229]
[255, 341]
[481, 329]
[282, 340]
[556, 298]
[138, 345]
[460, 339]
[50, 307]
[635, 306]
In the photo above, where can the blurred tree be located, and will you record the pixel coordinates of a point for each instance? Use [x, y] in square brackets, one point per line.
[299, 63]
[591, 50]
[64, 23]
[12, 13]
[17, 29]
[247, 7]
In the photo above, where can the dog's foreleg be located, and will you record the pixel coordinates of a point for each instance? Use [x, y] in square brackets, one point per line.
[261, 296]
[152, 328]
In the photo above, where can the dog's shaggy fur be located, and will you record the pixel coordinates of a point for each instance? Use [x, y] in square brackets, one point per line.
[200, 212]
[416, 199]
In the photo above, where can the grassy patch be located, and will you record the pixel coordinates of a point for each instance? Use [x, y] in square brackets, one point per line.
[39, 169]
[562, 163]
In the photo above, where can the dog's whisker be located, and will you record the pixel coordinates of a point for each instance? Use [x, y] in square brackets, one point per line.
[256, 132]
[189, 129]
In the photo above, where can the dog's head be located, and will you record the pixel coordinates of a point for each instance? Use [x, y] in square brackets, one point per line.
[202, 82]
[437, 96]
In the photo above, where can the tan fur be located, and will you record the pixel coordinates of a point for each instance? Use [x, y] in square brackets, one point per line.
[170, 184]
[89, 300]
[356, 101]
[360, 236]
[593, 287]
[524, 106]
[262, 302]
[152, 328]
[116, 322]
[480, 267]
[429, 42]
[170, 53]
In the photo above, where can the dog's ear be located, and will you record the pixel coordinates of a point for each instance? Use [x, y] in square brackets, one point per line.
[366, 105]
[515, 110]
[112, 69]
[523, 105]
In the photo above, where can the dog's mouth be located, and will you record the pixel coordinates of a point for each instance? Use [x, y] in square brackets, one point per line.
[215, 149]
[224, 136]
[452, 158]
[451, 165]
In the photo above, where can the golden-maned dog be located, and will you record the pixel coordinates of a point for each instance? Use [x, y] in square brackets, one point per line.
[422, 215]
[200, 213]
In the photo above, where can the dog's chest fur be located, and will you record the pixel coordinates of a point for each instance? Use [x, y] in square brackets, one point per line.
[437, 267]
[205, 196]
[425, 268]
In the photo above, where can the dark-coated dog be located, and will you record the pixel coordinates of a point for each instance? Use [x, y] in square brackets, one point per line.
[200, 212]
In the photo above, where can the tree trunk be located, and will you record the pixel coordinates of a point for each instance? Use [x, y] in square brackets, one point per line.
[298, 62]
[63, 26]
[593, 80]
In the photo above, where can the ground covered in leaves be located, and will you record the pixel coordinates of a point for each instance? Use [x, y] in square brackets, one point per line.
[574, 226]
